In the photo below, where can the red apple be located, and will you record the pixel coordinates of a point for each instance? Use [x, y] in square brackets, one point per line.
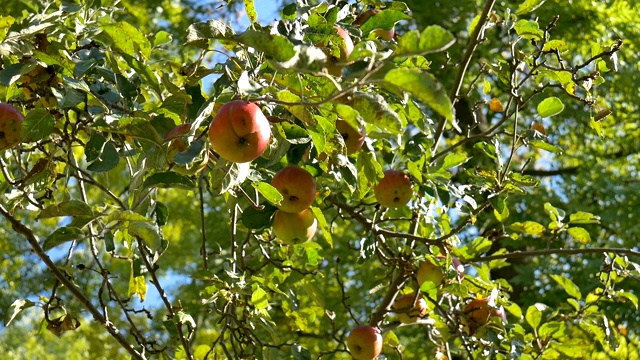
[478, 312]
[294, 228]
[381, 33]
[394, 190]
[334, 64]
[10, 126]
[353, 138]
[364, 342]
[406, 311]
[298, 189]
[239, 132]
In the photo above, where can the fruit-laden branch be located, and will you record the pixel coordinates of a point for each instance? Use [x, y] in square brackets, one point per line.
[385, 306]
[524, 254]
[23, 230]
[474, 40]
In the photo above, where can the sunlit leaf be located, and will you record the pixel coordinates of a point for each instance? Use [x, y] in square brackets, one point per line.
[423, 86]
[572, 289]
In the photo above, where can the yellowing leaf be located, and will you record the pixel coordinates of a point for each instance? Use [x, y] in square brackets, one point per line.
[495, 105]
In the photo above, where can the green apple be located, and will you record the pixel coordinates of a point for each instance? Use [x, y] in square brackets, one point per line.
[298, 189]
[406, 311]
[394, 190]
[294, 228]
[364, 342]
[428, 271]
[10, 126]
[239, 132]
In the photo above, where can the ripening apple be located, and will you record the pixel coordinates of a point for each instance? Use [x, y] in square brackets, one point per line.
[394, 190]
[298, 189]
[429, 271]
[10, 126]
[334, 64]
[406, 311]
[478, 312]
[294, 228]
[353, 138]
[364, 342]
[381, 33]
[239, 132]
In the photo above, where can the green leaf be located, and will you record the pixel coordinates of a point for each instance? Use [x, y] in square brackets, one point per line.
[550, 106]
[126, 215]
[162, 38]
[107, 160]
[582, 217]
[528, 227]
[533, 316]
[17, 307]
[580, 234]
[137, 286]
[124, 37]
[500, 208]
[452, 160]
[324, 226]
[627, 296]
[254, 218]
[423, 86]
[251, 10]
[375, 110]
[529, 6]
[61, 236]
[37, 125]
[545, 146]
[559, 45]
[148, 232]
[552, 329]
[168, 179]
[259, 298]
[433, 39]
[385, 19]
[572, 289]
[528, 29]
[276, 47]
[66, 208]
[268, 192]
[198, 34]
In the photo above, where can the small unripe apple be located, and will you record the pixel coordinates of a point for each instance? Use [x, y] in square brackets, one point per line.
[405, 310]
[298, 189]
[10, 126]
[334, 64]
[295, 228]
[381, 33]
[364, 342]
[429, 271]
[239, 132]
[353, 138]
[478, 312]
[394, 190]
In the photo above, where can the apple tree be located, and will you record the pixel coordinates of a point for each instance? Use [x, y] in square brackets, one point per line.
[393, 180]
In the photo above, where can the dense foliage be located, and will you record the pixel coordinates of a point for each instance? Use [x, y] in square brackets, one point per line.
[125, 235]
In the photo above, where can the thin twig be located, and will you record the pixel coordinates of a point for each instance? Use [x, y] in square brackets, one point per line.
[23, 230]
[464, 65]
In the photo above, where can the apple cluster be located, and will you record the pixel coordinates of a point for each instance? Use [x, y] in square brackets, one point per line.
[10, 126]
[294, 222]
[365, 342]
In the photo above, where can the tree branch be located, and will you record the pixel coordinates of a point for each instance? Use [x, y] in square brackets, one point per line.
[464, 65]
[524, 254]
[23, 230]
[567, 170]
